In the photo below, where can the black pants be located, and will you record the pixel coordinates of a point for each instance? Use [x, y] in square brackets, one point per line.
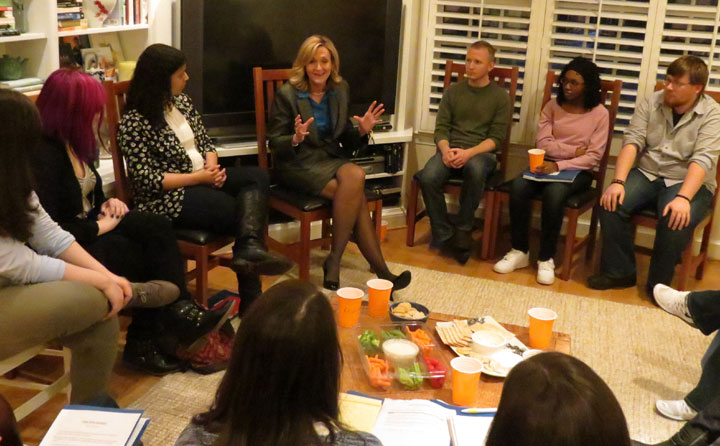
[709, 419]
[704, 308]
[554, 196]
[218, 210]
[142, 247]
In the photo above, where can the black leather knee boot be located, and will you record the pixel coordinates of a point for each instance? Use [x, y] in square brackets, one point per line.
[250, 255]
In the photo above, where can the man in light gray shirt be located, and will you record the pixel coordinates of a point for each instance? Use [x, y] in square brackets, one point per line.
[675, 137]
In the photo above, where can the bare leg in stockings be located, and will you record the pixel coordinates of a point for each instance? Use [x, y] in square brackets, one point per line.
[350, 212]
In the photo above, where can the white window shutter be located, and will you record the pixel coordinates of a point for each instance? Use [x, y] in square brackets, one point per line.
[454, 25]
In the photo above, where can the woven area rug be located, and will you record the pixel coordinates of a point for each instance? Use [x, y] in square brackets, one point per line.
[642, 353]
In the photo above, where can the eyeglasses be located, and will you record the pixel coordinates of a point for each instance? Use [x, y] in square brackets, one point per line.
[675, 84]
[572, 83]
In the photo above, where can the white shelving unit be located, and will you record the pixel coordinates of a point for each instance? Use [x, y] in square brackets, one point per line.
[40, 45]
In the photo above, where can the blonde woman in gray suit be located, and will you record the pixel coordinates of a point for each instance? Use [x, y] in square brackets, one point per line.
[312, 138]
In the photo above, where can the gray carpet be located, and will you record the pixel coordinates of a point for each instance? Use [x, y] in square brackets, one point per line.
[642, 353]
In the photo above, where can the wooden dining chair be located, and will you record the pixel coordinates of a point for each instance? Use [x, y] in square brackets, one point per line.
[506, 78]
[690, 262]
[195, 245]
[579, 203]
[301, 207]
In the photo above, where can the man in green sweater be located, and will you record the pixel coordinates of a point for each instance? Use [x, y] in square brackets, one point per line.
[470, 127]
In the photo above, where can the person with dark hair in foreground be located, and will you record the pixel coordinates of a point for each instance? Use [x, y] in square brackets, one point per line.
[675, 137]
[553, 399]
[573, 131]
[50, 287]
[281, 387]
[174, 171]
[9, 433]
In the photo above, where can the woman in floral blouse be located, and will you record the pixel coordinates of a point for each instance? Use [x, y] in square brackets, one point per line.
[174, 170]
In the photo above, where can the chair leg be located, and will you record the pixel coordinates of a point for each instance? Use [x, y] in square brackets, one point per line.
[496, 220]
[377, 217]
[326, 233]
[685, 266]
[704, 250]
[569, 244]
[487, 225]
[412, 211]
[592, 235]
[304, 260]
[202, 266]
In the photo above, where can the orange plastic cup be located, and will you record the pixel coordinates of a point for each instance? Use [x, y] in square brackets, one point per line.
[465, 380]
[537, 156]
[349, 302]
[383, 230]
[379, 291]
[541, 323]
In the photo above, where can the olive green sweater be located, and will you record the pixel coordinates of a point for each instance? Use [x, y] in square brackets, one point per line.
[469, 115]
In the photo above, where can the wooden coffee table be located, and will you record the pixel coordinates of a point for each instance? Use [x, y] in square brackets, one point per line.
[354, 377]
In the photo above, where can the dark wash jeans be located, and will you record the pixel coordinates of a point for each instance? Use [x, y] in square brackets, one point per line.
[432, 179]
[704, 308]
[554, 196]
[618, 257]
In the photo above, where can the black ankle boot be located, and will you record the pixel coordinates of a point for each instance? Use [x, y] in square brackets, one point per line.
[145, 356]
[250, 255]
[187, 322]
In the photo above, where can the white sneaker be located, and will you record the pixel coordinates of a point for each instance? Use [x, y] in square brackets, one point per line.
[674, 302]
[675, 409]
[513, 260]
[546, 272]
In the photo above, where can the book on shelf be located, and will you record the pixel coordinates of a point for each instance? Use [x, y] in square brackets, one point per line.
[75, 22]
[69, 9]
[70, 16]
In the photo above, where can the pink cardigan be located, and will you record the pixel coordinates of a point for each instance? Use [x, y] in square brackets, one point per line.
[560, 133]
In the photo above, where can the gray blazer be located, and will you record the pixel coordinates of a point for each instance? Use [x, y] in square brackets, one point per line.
[344, 139]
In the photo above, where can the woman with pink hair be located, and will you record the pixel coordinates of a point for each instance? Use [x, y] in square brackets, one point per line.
[138, 245]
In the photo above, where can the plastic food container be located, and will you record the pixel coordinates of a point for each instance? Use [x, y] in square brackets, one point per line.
[401, 356]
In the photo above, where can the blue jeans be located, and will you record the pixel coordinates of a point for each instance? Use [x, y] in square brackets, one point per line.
[553, 195]
[432, 180]
[618, 258]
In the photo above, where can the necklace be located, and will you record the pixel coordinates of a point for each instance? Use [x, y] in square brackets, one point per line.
[317, 94]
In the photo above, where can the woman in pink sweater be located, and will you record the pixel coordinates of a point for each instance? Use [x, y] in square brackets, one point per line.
[573, 132]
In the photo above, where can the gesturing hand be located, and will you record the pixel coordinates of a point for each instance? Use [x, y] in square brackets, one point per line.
[679, 210]
[613, 195]
[370, 118]
[301, 130]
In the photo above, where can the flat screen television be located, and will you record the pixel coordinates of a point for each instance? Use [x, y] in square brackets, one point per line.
[224, 39]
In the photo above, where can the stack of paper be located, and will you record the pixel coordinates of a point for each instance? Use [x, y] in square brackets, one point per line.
[87, 425]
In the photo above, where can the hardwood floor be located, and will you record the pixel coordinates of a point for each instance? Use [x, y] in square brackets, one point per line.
[128, 385]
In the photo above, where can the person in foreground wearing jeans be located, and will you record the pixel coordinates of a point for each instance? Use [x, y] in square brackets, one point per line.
[699, 309]
[56, 290]
[675, 137]
[573, 131]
